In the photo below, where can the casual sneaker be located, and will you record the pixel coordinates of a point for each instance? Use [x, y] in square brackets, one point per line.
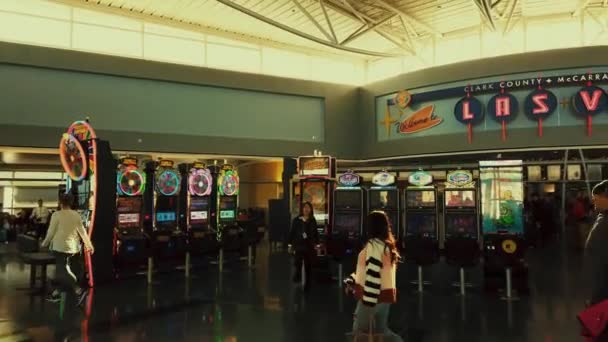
[53, 299]
[81, 297]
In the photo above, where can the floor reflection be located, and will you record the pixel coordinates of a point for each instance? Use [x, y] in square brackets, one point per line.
[263, 305]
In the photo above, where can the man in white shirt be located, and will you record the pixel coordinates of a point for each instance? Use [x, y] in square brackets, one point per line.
[40, 216]
[63, 239]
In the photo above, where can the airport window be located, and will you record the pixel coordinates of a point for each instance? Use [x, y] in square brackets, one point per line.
[233, 58]
[174, 50]
[34, 30]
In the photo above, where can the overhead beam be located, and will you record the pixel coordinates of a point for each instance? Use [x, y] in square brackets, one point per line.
[329, 24]
[305, 35]
[309, 16]
[580, 7]
[409, 17]
[486, 13]
[199, 28]
[510, 17]
[369, 28]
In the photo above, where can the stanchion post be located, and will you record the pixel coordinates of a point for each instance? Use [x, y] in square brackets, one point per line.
[187, 266]
[150, 267]
[221, 260]
[508, 282]
[462, 283]
[420, 282]
[249, 256]
[340, 274]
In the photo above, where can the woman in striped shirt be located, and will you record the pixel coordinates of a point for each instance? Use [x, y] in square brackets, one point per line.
[373, 283]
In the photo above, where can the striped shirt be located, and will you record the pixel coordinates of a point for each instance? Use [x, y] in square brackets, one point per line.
[374, 280]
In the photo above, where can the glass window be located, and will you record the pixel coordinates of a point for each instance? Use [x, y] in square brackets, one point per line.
[285, 63]
[36, 7]
[384, 68]
[106, 40]
[334, 70]
[175, 50]
[102, 19]
[233, 58]
[174, 32]
[552, 34]
[34, 30]
[457, 49]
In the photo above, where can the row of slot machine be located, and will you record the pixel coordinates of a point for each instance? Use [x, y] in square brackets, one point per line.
[158, 209]
[414, 211]
[463, 214]
[172, 210]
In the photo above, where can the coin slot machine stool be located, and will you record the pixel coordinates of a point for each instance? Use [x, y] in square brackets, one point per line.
[347, 219]
[421, 242]
[461, 222]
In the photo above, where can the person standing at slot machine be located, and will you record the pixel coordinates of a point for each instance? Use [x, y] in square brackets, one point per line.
[63, 238]
[303, 238]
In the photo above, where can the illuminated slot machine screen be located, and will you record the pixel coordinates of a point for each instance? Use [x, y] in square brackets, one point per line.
[199, 211]
[166, 211]
[347, 224]
[502, 194]
[384, 199]
[348, 199]
[420, 198]
[129, 212]
[228, 208]
[314, 192]
[461, 225]
[460, 198]
[421, 225]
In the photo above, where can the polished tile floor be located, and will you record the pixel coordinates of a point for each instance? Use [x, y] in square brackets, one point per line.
[263, 305]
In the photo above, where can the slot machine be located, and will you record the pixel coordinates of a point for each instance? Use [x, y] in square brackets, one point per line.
[91, 171]
[384, 195]
[227, 198]
[316, 175]
[502, 209]
[131, 247]
[168, 238]
[421, 226]
[347, 221]
[461, 219]
[201, 236]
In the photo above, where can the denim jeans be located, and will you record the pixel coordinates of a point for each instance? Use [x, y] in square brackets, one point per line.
[380, 315]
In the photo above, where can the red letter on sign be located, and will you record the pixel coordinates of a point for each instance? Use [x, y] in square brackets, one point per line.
[541, 106]
[591, 103]
[503, 106]
[466, 111]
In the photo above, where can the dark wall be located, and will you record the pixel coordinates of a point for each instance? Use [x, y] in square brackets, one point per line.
[22, 97]
[517, 138]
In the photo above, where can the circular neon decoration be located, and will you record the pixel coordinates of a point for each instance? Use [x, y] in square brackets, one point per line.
[73, 157]
[167, 182]
[83, 131]
[131, 182]
[199, 182]
[229, 184]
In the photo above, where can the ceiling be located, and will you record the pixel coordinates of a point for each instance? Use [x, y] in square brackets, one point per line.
[367, 28]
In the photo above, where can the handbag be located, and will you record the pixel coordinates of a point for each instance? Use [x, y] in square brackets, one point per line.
[594, 320]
